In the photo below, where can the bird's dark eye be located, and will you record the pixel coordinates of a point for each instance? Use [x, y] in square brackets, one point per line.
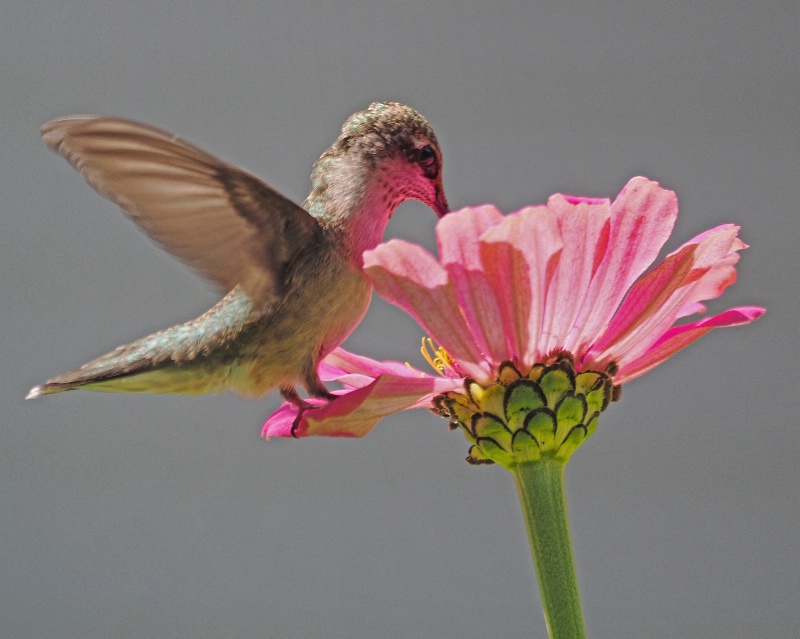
[427, 156]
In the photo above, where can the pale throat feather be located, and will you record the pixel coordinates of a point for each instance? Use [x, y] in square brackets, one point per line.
[355, 201]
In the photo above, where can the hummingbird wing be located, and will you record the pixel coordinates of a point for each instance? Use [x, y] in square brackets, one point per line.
[219, 219]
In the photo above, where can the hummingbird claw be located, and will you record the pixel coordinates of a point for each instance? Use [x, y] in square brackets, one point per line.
[291, 395]
[316, 388]
[296, 422]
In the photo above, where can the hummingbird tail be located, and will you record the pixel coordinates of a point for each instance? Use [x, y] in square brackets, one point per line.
[187, 359]
[144, 377]
[148, 365]
[48, 388]
[103, 373]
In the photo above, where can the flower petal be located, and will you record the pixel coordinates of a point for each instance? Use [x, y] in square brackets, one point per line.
[354, 413]
[281, 422]
[642, 218]
[658, 299]
[354, 375]
[584, 226]
[409, 277]
[720, 275]
[348, 363]
[680, 336]
[519, 257]
[459, 252]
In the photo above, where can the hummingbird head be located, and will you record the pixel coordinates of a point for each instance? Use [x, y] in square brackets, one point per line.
[400, 151]
[385, 154]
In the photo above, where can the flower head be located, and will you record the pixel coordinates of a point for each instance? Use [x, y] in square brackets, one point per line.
[565, 279]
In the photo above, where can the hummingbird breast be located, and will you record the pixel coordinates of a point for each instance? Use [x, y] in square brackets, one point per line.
[326, 297]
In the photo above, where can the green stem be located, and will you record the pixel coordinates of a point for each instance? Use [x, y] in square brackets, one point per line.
[544, 506]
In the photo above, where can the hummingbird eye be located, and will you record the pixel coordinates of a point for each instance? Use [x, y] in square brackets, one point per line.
[427, 156]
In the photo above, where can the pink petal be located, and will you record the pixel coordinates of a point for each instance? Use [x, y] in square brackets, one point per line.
[719, 276]
[280, 423]
[584, 226]
[519, 257]
[646, 301]
[692, 309]
[356, 371]
[459, 253]
[409, 277]
[347, 363]
[355, 413]
[642, 218]
[680, 336]
[658, 299]
[580, 199]
[722, 271]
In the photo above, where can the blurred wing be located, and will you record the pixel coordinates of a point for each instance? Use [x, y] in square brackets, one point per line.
[215, 217]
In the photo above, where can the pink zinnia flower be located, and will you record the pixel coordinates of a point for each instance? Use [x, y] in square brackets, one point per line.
[565, 277]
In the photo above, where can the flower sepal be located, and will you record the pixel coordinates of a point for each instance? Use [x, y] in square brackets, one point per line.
[549, 412]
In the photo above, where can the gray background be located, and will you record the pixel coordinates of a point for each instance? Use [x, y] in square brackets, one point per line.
[169, 517]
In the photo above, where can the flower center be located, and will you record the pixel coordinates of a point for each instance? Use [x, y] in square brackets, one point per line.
[521, 418]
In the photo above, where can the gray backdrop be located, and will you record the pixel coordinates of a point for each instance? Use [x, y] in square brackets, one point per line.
[169, 517]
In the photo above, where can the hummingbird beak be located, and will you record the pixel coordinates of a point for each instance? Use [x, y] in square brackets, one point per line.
[440, 205]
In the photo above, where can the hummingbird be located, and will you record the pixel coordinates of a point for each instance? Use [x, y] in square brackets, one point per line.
[292, 276]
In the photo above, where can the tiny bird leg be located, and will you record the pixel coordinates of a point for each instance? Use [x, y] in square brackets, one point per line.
[315, 388]
[291, 395]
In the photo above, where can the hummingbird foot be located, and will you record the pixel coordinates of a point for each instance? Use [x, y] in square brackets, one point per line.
[315, 388]
[291, 395]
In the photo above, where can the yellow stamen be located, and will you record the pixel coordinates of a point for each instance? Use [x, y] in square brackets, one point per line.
[438, 358]
[411, 368]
